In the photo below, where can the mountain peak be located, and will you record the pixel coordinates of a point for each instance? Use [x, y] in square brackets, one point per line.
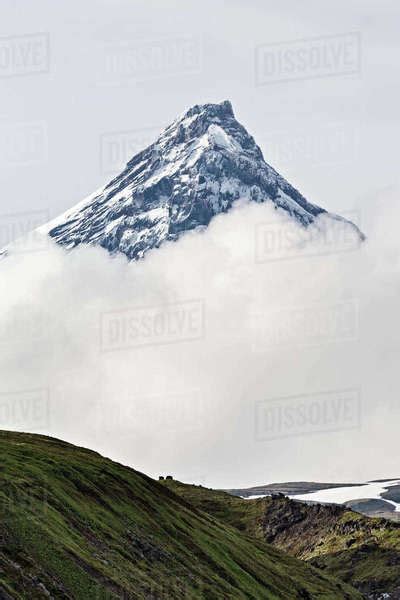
[197, 168]
[220, 110]
[214, 124]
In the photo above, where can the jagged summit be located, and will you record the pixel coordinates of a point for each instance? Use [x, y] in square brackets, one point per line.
[220, 110]
[198, 166]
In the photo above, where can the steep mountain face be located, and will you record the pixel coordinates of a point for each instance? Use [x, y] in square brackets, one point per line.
[75, 525]
[197, 168]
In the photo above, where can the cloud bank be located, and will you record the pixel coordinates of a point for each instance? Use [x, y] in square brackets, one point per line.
[251, 352]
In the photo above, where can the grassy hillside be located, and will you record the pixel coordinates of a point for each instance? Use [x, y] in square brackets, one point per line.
[75, 525]
[361, 550]
[245, 515]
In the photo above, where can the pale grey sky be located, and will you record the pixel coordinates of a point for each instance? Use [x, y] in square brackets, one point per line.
[129, 67]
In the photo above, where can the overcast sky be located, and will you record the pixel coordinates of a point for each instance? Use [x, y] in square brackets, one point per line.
[84, 86]
[130, 67]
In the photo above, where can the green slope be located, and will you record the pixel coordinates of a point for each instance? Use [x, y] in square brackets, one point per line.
[245, 515]
[360, 550]
[76, 525]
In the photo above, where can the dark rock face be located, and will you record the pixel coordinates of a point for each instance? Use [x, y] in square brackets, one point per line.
[197, 168]
[370, 506]
[360, 550]
[310, 521]
[393, 493]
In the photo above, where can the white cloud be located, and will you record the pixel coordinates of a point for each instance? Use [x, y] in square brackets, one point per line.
[161, 364]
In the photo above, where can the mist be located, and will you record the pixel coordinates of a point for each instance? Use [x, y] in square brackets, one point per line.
[251, 352]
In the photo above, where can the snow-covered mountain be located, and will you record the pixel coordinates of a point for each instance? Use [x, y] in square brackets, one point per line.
[199, 165]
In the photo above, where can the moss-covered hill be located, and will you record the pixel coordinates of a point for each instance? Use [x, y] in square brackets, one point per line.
[75, 525]
[360, 550]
